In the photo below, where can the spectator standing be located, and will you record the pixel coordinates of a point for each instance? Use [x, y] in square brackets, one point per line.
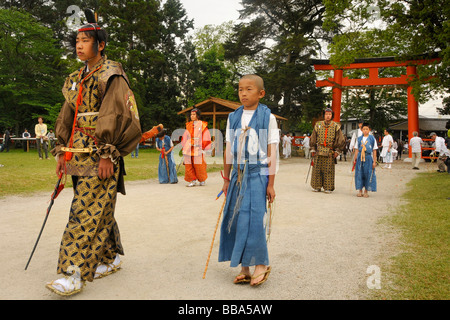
[135, 151]
[51, 139]
[444, 154]
[306, 146]
[41, 137]
[400, 148]
[416, 149]
[6, 140]
[386, 152]
[394, 150]
[25, 144]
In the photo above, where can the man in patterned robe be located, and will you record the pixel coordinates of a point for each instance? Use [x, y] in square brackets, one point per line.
[327, 142]
[97, 126]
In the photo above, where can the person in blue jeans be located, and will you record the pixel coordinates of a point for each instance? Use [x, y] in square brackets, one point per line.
[135, 151]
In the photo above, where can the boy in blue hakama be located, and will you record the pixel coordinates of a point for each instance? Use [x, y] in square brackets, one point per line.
[167, 172]
[366, 152]
[250, 158]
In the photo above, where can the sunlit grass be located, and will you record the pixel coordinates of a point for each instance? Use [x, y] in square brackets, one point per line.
[23, 173]
[421, 271]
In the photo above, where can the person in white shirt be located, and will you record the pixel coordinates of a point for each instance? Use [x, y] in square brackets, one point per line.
[306, 147]
[252, 138]
[386, 152]
[25, 143]
[444, 153]
[41, 137]
[416, 150]
[394, 150]
[358, 133]
[287, 142]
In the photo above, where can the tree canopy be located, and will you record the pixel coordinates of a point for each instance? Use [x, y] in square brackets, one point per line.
[282, 37]
[31, 71]
[403, 29]
[171, 66]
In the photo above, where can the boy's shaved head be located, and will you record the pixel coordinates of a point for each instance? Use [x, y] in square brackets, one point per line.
[256, 79]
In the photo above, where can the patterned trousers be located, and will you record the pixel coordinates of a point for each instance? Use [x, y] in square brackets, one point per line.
[91, 236]
[323, 173]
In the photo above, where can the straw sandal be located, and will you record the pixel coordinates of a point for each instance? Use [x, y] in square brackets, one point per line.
[110, 269]
[247, 278]
[72, 287]
[365, 195]
[266, 276]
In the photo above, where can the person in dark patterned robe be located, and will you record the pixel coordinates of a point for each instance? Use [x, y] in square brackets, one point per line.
[97, 126]
[327, 142]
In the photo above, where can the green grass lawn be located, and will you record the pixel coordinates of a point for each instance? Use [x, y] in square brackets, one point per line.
[422, 270]
[23, 172]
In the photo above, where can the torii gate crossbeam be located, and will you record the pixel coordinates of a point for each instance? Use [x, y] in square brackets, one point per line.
[338, 82]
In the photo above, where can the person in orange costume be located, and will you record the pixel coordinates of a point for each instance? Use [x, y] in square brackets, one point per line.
[195, 140]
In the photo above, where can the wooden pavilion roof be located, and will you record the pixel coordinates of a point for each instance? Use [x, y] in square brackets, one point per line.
[218, 107]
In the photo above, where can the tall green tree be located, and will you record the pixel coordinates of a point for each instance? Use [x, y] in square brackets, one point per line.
[216, 76]
[133, 36]
[403, 29]
[175, 71]
[31, 71]
[214, 79]
[57, 15]
[378, 107]
[150, 39]
[282, 37]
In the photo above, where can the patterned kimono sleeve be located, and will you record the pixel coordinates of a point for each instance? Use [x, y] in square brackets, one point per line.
[118, 128]
[339, 143]
[63, 128]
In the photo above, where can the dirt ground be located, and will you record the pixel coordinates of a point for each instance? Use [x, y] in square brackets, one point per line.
[320, 247]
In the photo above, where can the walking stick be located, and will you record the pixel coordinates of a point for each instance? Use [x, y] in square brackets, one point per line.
[353, 175]
[214, 236]
[58, 189]
[167, 166]
[311, 163]
[371, 175]
[269, 223]
[164, 155]
[182, 159]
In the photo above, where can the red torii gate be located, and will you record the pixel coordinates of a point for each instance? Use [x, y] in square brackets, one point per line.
[373, 64]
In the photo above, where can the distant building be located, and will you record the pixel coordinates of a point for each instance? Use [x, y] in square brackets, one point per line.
[427, 124]
[348, 126]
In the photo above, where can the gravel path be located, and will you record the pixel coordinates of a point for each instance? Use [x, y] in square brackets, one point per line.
[320, 248]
